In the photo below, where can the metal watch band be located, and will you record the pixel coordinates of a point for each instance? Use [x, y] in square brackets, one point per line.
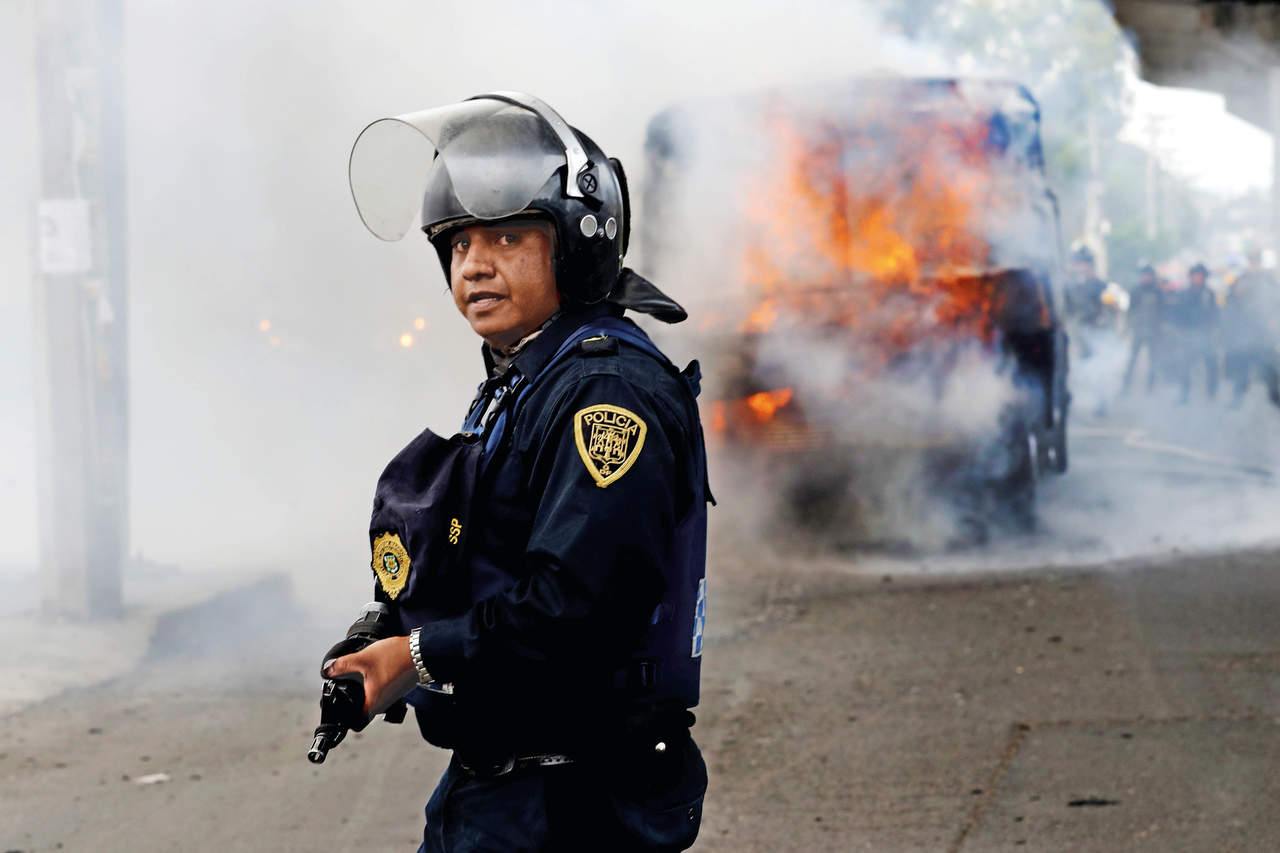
[415, 652]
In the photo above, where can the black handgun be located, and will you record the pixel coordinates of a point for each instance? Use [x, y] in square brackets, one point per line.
[342, 696]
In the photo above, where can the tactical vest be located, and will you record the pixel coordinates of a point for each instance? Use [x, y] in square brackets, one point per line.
[424, 498]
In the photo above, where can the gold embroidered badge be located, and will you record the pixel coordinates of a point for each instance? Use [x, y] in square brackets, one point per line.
[390, 563]
[455, 530]
[609, 440]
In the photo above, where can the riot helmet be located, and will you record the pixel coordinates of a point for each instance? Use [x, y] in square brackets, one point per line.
[1198, 270]
[492, 158]
[1082, 254]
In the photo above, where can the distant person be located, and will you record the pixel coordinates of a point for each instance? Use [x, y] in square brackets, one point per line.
[1251, 330]
[1084, 291]
[1092, 311]
[1146, 310]
[1194, 319]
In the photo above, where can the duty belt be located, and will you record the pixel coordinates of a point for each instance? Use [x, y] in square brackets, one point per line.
[501, 767]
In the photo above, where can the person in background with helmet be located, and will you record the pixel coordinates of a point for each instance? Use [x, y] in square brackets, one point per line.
[1251, 330]
[1146, 309]
[1084, 291]
[546, 564]
[1194, 316]
[1094, 310]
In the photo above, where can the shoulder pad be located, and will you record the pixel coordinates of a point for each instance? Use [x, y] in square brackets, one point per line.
[599, 345]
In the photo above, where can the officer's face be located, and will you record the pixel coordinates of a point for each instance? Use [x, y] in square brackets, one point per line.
[502, 279]
[1197, 279]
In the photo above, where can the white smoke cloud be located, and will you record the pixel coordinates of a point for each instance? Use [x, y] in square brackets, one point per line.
[240, 119]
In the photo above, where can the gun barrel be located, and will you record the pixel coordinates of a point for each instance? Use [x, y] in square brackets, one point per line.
[319, 749]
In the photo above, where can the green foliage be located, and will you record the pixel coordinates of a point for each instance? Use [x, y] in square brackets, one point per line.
[1073, 57]
[1069, 53]
[1125, 176]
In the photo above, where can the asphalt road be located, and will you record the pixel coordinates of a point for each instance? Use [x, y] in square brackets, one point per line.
[1110, 683]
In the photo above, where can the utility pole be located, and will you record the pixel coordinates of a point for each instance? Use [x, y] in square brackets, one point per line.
[1153, 177]
[1095, 226]
[1273, 79]
[81, 302]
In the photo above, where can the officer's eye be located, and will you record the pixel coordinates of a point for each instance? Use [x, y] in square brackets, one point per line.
[461, 244]
[509, 238]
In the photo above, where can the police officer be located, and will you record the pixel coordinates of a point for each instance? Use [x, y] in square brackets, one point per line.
[1251, 329]
[1084, 291]
[546, 564]
[1093, 309]
[1194, 316]
[1146, 308]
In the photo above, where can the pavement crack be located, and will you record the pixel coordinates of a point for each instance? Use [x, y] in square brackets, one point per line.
[1017, 737]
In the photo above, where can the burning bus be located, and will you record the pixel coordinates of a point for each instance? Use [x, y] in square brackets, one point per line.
[880, 262]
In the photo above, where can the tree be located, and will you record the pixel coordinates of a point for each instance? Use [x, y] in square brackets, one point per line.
[1071, 54]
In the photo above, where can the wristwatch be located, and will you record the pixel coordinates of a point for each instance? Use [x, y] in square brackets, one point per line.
[415, 652]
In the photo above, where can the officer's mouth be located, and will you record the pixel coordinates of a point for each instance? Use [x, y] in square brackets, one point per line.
[484, 299]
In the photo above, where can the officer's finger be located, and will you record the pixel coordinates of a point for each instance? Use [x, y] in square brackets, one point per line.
[339, 666]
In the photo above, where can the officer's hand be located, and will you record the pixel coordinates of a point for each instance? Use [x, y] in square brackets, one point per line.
[387, 668]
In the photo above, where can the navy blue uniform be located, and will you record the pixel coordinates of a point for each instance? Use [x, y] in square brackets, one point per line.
[1250, 321]
[1084, 301]
[1145, 318]
[570, 620]
[1194, 316]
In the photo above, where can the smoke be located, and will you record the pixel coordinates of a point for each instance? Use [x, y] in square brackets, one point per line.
[887, 459]
[17, 443]
[853, 469]
[268, 382]
[881, 236]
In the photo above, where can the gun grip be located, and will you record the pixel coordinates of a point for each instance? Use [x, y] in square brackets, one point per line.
[395, 714]
[342, 701]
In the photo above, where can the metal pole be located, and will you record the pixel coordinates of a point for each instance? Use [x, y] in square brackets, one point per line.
[1153, 210]
[1274, 92]
[1094, 232]
[81, 303]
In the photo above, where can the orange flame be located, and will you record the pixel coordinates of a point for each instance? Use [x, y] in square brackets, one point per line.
[719, 420]
[767, 403]
[843, 234]
[763, 317]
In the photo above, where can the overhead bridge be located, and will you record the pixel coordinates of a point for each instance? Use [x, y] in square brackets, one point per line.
[1231, 48]
[1228, 48]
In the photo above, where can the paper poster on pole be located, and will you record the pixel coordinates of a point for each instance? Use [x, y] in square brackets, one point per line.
[66, 243]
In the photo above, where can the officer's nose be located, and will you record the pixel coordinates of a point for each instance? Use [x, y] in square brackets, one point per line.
[477, 263]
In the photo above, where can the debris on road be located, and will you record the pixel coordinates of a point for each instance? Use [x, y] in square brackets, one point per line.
[152, 779]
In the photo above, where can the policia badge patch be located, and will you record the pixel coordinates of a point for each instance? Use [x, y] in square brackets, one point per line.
[609, 440]
[390, 563]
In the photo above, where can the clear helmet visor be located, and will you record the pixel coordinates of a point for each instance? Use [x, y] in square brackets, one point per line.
[497, 155]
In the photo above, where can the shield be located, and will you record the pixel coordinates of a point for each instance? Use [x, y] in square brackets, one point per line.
[499, 149]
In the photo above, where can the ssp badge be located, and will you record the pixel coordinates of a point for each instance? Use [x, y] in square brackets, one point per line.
[390, 563]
